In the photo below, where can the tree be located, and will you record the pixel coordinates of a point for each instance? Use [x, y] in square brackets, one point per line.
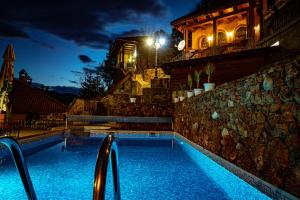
[89, 84]
[97, 80]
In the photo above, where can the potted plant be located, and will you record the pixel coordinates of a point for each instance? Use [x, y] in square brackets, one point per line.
[197, 77]
[181, 95]
[190, 93]
[209, 70]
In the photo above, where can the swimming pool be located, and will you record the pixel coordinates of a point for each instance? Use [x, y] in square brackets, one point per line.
[150, 167]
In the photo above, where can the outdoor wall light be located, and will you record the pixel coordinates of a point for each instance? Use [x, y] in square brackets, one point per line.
[210, 40]
[257, 28]
[230, 36]
[150, 41]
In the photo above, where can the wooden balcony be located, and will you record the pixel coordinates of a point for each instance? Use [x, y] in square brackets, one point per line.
[212, 51]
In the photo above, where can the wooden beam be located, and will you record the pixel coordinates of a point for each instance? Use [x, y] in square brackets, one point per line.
[214, 32]
[223, 16]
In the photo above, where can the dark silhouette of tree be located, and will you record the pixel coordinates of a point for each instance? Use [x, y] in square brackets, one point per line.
[96, 81]
[90, 84]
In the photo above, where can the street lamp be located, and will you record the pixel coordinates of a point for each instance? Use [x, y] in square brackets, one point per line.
[156, 43]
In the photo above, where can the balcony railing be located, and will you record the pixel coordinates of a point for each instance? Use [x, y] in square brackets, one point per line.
[212, 51]
[282, 17]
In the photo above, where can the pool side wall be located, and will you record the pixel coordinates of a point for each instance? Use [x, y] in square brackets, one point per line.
[266, 188]
[253, 122]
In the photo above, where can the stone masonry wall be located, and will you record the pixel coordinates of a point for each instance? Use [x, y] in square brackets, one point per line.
[253, 122]
[119, 105]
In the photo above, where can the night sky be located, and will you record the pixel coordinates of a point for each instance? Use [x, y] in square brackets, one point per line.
[52, 38]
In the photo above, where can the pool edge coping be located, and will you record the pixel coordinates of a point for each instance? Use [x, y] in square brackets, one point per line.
[261, 185]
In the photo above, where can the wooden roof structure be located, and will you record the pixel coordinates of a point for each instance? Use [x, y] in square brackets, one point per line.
[26, 99]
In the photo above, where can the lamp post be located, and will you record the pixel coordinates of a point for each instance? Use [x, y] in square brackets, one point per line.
[156, 42]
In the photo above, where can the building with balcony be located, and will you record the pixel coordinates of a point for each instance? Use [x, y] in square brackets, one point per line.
[239, 37]
[227, 26]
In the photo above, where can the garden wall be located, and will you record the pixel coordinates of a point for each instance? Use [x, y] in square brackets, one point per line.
[256, 123]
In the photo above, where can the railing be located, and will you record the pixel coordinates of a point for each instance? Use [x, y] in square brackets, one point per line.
[212, 51]
[108, 150]
[282, 17]
[13, 128]
[20, 163]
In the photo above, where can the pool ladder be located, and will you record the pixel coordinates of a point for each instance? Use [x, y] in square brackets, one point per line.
[108, 150]
[20, 163]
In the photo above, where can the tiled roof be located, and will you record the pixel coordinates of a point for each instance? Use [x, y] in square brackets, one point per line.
[26, 99]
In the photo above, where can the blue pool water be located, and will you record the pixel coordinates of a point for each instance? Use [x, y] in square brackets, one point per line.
[150, 168]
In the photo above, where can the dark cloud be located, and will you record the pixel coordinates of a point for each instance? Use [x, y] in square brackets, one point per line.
[131, 33]
[43, 44]
[85, 59]
[73, 82]
[84, 22]
[7, 30]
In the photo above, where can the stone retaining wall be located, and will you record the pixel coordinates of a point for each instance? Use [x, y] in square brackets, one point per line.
[253, 122]
[119, 105]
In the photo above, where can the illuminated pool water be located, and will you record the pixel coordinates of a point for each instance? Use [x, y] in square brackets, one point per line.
[150, 168]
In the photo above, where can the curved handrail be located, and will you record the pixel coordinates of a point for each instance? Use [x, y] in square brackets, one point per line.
[108, 150]
[20, 163]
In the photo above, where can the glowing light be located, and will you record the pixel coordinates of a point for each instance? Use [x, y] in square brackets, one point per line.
[210, 39]
[135, 53]
[162, 41]
[257, 28]
[275, 44]
[230, 34]
[150, 41]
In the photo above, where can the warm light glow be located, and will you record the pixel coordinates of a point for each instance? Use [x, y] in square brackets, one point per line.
[150, 41]
[210, 39]
[257, 28]
[134, 53]
[229, 34]
[162, 41]
[275, 44]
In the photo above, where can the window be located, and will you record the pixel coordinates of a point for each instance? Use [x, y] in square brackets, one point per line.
[241, 34]
[203, 43]
[221, 38]
[190, 39]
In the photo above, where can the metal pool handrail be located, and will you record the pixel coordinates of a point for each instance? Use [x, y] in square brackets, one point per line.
[108, 150]
[20, 163]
